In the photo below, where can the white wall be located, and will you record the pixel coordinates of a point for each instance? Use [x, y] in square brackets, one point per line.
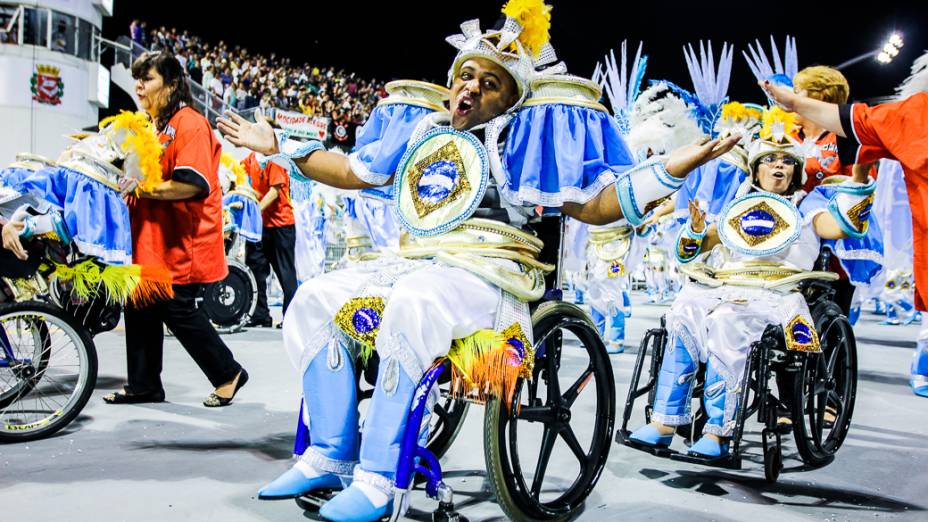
[30, 126]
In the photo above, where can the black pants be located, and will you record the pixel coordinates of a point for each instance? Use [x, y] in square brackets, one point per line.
[274, 250]
[145, 341]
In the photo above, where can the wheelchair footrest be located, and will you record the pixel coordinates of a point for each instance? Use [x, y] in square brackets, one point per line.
[727, 462]
[314, 500]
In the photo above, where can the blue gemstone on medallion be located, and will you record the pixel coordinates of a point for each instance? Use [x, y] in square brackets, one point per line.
[437, 181]
[864, 214]
[616, 268]
[802, 334]
[516, 346]
[758, 222]
[365, 320]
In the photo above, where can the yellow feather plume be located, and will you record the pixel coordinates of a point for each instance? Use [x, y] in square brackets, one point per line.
[130, 283]
[777, 124]
[737, 111]
[535, 18]
[143, 140]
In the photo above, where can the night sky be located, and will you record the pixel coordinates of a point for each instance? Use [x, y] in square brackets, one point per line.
[406, 39]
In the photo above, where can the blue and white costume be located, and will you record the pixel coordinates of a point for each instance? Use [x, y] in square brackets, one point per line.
[768, 244]
[83, 186]
[464, 264]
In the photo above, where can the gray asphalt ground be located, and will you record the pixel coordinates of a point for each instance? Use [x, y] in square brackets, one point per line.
[181, 461]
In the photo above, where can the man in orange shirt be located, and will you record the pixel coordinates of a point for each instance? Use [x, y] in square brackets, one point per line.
[897, 131]
[278, 239]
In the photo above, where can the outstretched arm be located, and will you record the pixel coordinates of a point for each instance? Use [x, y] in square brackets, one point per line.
[823, 114]
[325, 167]
[605, 208]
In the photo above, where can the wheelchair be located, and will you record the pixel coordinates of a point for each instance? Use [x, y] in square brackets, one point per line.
[519, 436]
[230, 303]
[48, 361]
[815, 390]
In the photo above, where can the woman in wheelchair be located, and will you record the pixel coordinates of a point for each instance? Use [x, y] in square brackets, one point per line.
[766, 240]
[464, 186]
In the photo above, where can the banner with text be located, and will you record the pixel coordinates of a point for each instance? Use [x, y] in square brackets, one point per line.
[302, 126]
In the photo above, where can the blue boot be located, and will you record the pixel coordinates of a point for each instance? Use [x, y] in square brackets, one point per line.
[715, 397]
[706, 447]
[330, 394]
[294, 483]
[672, 398]
[615, 336]
[650, 436]
[626, 304]
[383, 433]
[352, 505]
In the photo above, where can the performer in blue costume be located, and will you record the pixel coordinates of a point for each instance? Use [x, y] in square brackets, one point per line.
[766, 240]
[611, 251]
[464, 182]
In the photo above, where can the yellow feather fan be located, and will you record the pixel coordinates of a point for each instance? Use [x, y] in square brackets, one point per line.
[535, 18]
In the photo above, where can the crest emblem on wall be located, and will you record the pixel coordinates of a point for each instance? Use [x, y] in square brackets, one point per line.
[46, 84]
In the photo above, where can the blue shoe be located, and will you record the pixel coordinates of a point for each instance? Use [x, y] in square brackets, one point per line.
[294, 483]
[706, 447]
[614, 348]
[649, 436]
[352, 505]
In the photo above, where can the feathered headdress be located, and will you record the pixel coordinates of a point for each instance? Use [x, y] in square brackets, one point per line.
[776, 136]
[745, 119]
[760, 64]
[621, 84]
[917, 80]
[710, 82]
[520, 46]
[135, 135]
[662, 119]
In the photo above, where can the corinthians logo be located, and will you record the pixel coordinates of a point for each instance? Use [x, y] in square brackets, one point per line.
[47, 86]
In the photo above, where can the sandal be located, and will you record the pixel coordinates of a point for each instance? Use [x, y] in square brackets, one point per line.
[215, 401]
[125, 397]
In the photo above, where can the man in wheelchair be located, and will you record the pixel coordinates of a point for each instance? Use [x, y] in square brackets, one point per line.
[765, 242]
[464, 186]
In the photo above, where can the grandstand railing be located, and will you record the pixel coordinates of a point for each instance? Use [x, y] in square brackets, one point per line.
[125, 51]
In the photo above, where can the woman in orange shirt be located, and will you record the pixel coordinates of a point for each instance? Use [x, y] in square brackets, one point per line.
[178, 225]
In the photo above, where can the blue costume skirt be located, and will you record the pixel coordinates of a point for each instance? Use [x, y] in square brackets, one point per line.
[96, 215]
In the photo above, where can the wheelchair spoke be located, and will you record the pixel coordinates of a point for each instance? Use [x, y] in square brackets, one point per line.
[570, 396]
[547, 444]
[567, 433]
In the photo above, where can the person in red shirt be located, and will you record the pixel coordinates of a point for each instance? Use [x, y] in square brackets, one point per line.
[278, 239]
[899, 131]
[178, 225]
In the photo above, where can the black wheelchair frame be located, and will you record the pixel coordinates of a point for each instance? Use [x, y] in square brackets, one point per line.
[808, 386]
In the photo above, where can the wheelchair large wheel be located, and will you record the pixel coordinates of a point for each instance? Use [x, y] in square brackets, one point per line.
[825, 389]
[48, 368]
[568, 408]
[231, 302]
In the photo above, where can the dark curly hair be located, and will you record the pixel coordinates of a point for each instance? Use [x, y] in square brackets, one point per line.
[173, 73]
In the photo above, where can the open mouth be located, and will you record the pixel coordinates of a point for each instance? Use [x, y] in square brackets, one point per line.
[778, 175]
[465, 105]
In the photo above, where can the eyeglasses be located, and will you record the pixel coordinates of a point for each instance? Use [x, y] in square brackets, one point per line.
[789, 161]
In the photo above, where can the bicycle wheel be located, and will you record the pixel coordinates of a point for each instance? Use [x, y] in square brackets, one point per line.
[48, 368]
